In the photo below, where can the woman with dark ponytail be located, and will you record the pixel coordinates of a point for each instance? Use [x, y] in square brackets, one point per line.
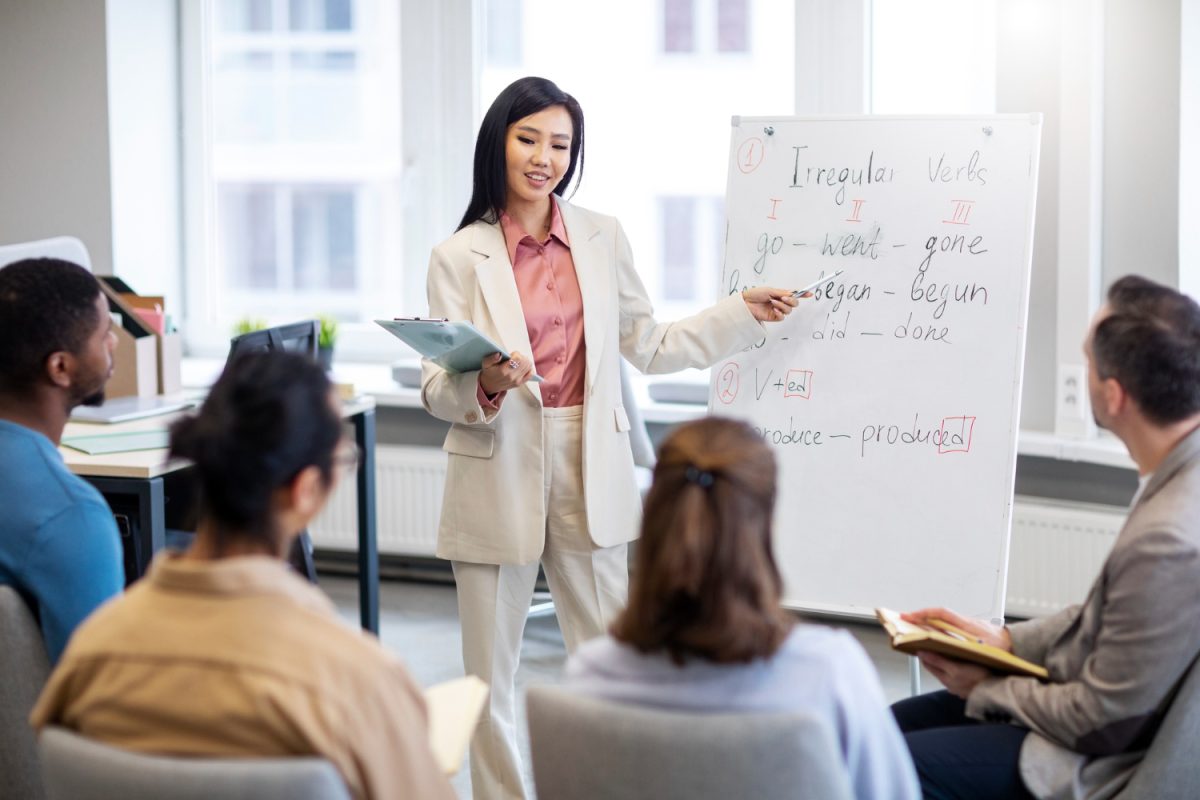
[704, 630]
[223, 651]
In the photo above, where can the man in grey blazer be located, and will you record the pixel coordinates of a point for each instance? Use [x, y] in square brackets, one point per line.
[1116, 660]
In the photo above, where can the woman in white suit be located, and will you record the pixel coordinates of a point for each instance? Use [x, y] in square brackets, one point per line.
[543, 471]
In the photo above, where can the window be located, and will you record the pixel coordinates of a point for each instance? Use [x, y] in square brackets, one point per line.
[691, 244]
[503, 22]
[706, 26]
[658, 128]
[304, 167]
[933, 56]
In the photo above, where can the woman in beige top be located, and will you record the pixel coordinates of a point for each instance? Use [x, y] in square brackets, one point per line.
[222, 651]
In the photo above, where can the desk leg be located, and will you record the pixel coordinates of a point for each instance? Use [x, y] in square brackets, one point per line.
[368, 548]
[151, 514]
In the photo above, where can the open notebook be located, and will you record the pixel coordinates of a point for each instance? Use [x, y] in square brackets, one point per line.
[453, 708]
[908, 637]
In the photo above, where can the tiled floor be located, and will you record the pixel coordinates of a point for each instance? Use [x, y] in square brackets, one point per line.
[419, 622]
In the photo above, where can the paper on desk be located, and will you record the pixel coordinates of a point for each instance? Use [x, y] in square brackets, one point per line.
[105, 443]
[453, 708]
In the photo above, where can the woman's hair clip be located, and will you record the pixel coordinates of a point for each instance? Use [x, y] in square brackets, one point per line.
[701, 477]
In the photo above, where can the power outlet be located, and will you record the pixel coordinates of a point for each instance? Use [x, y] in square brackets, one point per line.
[1073, 410]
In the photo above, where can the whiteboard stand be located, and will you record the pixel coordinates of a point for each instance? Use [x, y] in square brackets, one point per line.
[914, 676]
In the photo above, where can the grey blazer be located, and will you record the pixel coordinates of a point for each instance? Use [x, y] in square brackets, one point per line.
[1116, 660]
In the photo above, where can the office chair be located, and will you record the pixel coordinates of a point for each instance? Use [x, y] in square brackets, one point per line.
[67, 248]
[591, 749]
[76, 768]
[24, 669]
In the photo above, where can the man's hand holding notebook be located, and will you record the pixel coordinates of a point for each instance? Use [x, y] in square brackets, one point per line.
[941, 631]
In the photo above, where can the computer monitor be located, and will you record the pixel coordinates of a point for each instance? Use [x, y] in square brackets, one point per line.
[295, 337]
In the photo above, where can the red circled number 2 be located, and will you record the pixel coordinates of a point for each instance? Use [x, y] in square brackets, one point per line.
[728, 381]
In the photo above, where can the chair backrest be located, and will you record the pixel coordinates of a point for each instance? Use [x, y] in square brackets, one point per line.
[24, 668]
[590, 749]
[65, 247]
[1171, 767]
[75, 768]
[639, 437]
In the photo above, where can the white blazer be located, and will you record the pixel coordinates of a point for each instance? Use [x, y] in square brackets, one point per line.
[493, 510]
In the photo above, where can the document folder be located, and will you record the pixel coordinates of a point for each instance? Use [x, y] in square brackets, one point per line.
[453, 346]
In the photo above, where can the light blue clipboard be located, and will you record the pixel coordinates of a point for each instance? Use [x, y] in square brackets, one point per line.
[453, 346]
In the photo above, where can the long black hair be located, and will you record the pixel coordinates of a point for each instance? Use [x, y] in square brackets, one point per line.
[519, 99]
[267, 417]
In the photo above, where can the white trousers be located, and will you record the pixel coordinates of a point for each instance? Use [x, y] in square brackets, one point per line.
[589, 587]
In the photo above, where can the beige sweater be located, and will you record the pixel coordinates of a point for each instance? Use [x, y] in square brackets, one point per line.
[240, 657]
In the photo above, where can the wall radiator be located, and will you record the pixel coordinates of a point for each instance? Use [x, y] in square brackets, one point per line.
[1055, 552]
[408, 502]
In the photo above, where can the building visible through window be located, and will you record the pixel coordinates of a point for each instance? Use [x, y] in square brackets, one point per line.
[305, 163]
[706, 26]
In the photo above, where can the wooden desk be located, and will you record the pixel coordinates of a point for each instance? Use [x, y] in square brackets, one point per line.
[140, 476]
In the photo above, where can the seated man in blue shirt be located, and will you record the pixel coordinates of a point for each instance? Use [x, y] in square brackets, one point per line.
[59, 545]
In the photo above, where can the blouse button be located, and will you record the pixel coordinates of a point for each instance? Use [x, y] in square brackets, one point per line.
[550, 286]
[558, 320]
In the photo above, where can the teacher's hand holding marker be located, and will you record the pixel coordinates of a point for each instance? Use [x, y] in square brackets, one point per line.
[807, 291]
[554, 285]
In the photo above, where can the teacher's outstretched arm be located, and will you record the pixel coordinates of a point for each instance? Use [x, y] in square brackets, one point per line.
[698, 341]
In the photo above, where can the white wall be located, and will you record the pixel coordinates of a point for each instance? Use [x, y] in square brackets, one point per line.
[144, 136]
[1189, 146]
[1141, 139]
[1027, 79]
[54, 150]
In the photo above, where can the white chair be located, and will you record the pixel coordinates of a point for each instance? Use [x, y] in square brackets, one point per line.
[24, 669]
[75, 768]
[590, 749]
[67, 248]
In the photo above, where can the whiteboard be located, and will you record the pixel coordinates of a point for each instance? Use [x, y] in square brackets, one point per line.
[892, 400]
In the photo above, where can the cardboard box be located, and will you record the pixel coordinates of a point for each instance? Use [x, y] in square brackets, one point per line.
[145, 362]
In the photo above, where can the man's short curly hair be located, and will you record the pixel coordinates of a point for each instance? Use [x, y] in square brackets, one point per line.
[47, 305]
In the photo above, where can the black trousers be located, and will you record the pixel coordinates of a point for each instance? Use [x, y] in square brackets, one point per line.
[958, 757]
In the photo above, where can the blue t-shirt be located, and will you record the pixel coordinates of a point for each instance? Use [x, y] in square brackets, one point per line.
[59, 545]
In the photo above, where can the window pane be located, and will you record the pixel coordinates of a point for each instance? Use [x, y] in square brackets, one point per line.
[658, 127]
[679, 26]
[319, 15]
[503, 23]
[678, 247]
[933, 56]
[323, 238]
[244, 15]
[306, 165]
[246, 230]
[733, 26]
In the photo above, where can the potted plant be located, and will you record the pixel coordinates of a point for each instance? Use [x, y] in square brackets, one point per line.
[326, 339]
[248, 325]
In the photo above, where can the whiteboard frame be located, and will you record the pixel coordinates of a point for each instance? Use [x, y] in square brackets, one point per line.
[1035, 120]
